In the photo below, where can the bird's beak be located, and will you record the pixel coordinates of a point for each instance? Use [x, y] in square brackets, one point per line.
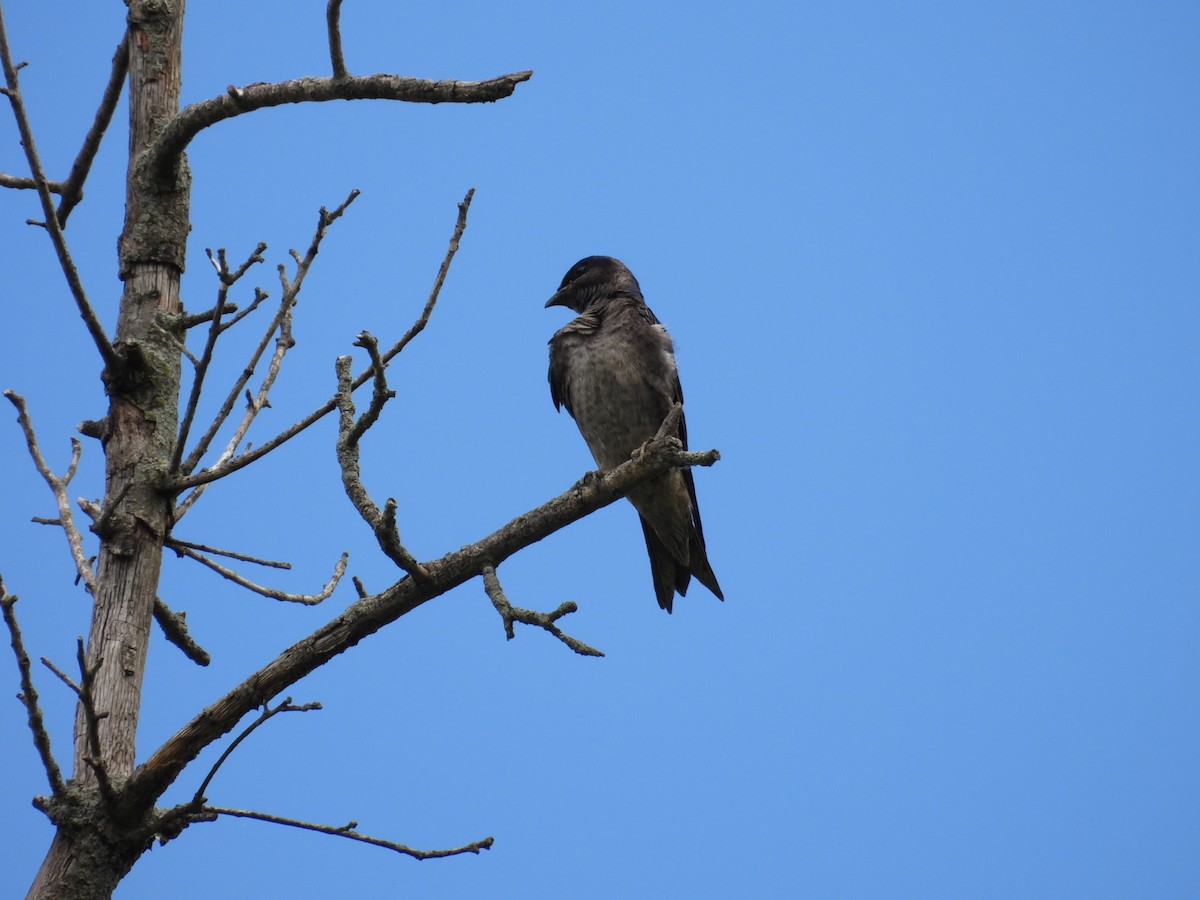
[557, 300]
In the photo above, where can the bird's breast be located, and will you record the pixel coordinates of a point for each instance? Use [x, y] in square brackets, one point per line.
[618, 390]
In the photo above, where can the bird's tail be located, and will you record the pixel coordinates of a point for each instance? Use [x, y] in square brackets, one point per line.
[699, 564]
[672, 576]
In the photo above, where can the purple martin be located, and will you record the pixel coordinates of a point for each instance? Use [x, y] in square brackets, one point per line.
[613, 368]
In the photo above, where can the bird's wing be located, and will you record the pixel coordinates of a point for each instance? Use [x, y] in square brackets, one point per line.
[558, 373]
[560, 349]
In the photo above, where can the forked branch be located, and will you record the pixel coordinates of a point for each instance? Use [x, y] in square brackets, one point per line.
[66, 263]
[350, 430]
[228, 466]
[511, 614]
[71, 190]
[281, 324]
[91, 717]
[369, 614]
[58, 485]
[271, 593]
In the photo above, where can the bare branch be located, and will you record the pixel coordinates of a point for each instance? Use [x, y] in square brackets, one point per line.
[284, 342]
[58, 486]
[418, 326]
[244, 459]
[174, 629]
[347, 831]
[366, 616]
[23, 182]
[193, 119]
[175, 543]
[83, 690]
[333, 13]
[268, 713]
[379, 395]
[259, 296]
[279, 328]
[29, 694]
[227, 279]
[72, 191]
[13, 92]
[510, 614]
[307, 599]
[349, 431]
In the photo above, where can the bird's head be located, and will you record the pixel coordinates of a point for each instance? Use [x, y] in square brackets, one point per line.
[591, 279]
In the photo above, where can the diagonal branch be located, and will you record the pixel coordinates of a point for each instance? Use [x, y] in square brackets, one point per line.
[511, 614]
[233, 464]
[227, 279]
[193, 119]
[267, 714]
[176, 543]
[348, 831]
[367, 615]
[72, 191]
[29, 694]
[86, 311]
[59, 486]
[282, 322]
[83, 690]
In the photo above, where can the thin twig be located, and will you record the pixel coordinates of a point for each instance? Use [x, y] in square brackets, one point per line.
[332, 13]
[274, 329]
[73, 187]
[227, 279]
[29, 694]
[348, 831]
[83, 690]
[510, 614]
[268, 712]
[244, 459]
[284, 342]
[59, 487]
[103, 344]
[307, 599]
[175, 542]
[174, 629]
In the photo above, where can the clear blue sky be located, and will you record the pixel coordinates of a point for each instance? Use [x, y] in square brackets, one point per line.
[932, 273]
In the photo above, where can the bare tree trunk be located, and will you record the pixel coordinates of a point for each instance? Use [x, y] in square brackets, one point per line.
[139, 438]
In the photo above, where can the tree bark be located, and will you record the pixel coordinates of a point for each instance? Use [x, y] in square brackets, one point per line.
[139, 438]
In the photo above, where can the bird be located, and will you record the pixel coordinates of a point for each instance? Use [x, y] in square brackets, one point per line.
[613, 368]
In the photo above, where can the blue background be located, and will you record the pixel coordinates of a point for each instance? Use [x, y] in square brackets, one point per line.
[932, 273]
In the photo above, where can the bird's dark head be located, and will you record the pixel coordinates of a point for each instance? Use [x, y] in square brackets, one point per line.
[591, 279]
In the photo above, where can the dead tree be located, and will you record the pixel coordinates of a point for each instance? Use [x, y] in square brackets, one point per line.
[159, 460]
